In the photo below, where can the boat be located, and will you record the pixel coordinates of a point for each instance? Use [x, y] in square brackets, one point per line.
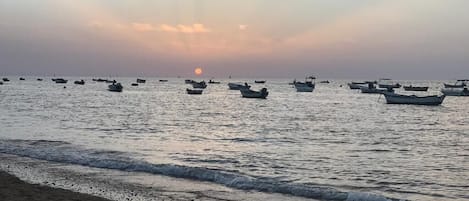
[6, 79]
[356, 85]
[371, 89]
[259, 81]
[110, 81]
[134, 84]
[163, 80]
[39, 79]
[22, 78]
[80, 82]
[325, 82]
[60, 81]
[189, 81]
[458, 84]
[248, 93]
[455, 91]
[393, 98]
[213, 82]
[141, 81]
[100, 80]
[387, 86]
[199, 85]
[194, 91]
[235, 86]
[116, 87]
[412, 88]
[304, 87]
[1, 82]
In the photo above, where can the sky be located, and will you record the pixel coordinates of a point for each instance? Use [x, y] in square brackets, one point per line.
[343, 39]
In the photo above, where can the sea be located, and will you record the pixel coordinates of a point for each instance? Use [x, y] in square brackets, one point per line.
[332, 144]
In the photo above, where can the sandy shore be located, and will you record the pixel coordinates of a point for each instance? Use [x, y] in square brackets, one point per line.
[13, 189]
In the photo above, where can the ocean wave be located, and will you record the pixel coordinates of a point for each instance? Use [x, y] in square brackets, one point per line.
[57, 151]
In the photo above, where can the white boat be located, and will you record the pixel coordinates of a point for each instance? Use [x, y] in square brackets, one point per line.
[235, 86]
[194, 91]
[116, 87]
[455, 91]
[304, 87]
[458, 84]
[248, 93]
[199, 85]
[393, 98]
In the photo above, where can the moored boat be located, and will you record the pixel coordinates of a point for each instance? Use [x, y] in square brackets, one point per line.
[134, 84]
[213, 82]
[387, 86]
[141, 81]
[455, 91]
[6, 79]
[371, 89]
[325, 82]
[60, 80]
[458, 84]
[189, 81]
[236, 86]
[22, 78]
[304, 87]
[199, 85]
[248, 93]
[413, 88]
[393, 98]
[356, 85]
[115, 87]
[1, 82]
[163, 80]
[80, 82]
[39, 79]
[259, 81]
[194, 91]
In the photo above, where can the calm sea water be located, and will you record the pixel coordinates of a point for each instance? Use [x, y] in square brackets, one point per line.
[333, 137]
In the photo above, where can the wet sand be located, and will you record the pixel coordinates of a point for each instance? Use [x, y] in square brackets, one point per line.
[13, 189]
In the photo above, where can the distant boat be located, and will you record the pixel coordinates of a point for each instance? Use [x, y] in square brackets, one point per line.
[194, 91]
[80, 82]
[458, 84]
[235, 86]
[213, 82]
[248, 93]
[115, 87]
[199, 85]
[134, 84]
[1, 82]
[141, 81]
[356, 85]
[163, 80]
[110, 81]
[22, 78]
[39, 79]
[393, 98]
[100, 80]
[412, 88]
[387, 86]
[6, 79]
[259, 81]
[325, 82]
[304, 87]
[455, 91]
[371, 89]
[189, 81]
[60, 81]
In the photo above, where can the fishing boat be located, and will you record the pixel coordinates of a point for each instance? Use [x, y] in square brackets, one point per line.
[458, 84]
[356, 85]
[194, 91]
[100, 80]
[236, 86]
[455, 91]
[141, 81]
[60, 81]
[248, 93]
[213, 82]
[371, 89]
[6, 79]
[393, 98]
[134, 84]
[22, 78]
[325, 82]
[189, 81]
[115, 87]
[304, 87]
[259, 81]
[80, 82]
[199, 85]
[413, 88]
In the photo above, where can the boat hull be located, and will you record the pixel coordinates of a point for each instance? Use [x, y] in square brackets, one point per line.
[367, 90]
[455, 91]
[115, 87]
[247, 93]
[234, 86]
[392, 98]
[194, 91]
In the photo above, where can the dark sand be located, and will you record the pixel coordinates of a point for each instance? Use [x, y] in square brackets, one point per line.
[13, 189]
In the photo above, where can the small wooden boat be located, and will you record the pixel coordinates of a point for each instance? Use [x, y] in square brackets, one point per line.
[6, 79]
[259, 81]
[455, 91]
[248, 93]
[393, 98]
[213, 82]
[141, 81]
[235, 86]
[115, 87]
[304, 86]
[60, 81]
[194, 91]
[199, 85]
[412, 88]
[22, 78]
[134, 84]
[80, 82]
[371, 89]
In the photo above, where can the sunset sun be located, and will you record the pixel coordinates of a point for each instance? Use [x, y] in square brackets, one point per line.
[198, 71]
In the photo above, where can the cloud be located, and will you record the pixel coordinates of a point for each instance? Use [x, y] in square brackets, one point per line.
[143, 27]
[243, 27]
[181, 28]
